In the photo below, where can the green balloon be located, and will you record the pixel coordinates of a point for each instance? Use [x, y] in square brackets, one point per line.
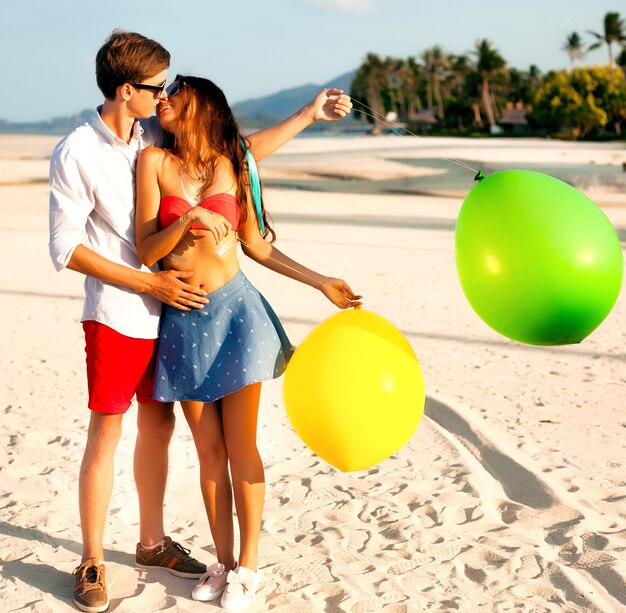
[538, 261]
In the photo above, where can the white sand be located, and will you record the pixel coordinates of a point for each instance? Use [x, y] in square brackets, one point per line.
[509, 497]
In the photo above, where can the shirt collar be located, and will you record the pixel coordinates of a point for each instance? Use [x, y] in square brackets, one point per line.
[107, 135]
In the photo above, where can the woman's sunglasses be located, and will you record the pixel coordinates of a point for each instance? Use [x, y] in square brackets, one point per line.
[173, 89]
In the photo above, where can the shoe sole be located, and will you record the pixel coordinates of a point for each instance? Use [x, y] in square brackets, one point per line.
[171, 571]
[237, 607]
[88, 609]
[213, 596]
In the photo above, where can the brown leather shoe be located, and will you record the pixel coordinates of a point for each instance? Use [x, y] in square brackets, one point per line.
[171, 556]
[90, 588]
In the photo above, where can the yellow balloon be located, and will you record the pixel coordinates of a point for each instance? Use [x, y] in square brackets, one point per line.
[354, 390]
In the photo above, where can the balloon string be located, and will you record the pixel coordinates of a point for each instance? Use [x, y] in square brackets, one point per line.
[378, 117]
[283, 265]
[451, 160]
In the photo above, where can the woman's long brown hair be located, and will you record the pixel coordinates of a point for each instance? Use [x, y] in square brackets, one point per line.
[208, 130]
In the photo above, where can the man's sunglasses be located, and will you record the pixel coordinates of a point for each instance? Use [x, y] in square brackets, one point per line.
[159, 89]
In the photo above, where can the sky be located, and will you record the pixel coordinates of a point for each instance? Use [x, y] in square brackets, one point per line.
[253, 48]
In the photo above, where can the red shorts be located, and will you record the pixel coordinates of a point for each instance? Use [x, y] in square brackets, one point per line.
[118, 367]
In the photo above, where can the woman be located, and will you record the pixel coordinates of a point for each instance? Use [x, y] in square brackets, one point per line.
[193, 203]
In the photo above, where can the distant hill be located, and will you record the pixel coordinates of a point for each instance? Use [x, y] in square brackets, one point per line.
[286, 101]
[253, 113]
[56, 125]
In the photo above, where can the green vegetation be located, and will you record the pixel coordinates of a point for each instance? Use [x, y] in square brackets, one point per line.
[479, 93]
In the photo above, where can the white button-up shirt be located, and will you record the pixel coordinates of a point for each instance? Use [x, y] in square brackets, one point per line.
[92, 190]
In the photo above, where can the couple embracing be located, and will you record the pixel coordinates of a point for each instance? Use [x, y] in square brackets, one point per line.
[168, 314]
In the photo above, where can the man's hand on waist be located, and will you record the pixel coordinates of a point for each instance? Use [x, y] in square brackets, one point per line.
[168, 287]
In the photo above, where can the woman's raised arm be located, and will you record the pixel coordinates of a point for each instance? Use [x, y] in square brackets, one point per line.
[328, 105]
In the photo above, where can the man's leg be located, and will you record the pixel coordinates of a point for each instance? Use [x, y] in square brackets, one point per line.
[94, 493]
[110, 393]
[96, 480]
[155, 425]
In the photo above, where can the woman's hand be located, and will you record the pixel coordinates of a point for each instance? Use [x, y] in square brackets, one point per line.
[339, 293]
[330, 105]
[215, 223]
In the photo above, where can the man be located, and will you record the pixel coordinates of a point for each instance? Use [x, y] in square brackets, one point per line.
[92, 190]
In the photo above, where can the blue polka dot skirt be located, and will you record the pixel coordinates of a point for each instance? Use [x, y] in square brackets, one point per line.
[234, 340]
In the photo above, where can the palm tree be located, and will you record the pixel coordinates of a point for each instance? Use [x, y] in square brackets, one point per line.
[574, 47]
[489, 64]
[393, 68]
[614, 32]
[620, 60]
[436, 60]
[460, 94]
[413, 77]
[368, 85]
[459, 69]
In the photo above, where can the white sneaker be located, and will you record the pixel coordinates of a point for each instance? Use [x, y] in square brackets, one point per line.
[210, 585]
[240, 589]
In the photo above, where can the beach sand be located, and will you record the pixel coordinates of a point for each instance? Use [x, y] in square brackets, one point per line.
[511, 494]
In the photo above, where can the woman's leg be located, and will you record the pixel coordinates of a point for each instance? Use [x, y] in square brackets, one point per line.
[239, 419]
[206, 427]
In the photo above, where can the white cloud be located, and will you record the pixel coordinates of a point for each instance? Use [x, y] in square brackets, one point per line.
[350, 7]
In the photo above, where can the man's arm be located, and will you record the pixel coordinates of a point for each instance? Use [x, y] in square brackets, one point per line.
[328, 105]
[70, 205]
[165, 286]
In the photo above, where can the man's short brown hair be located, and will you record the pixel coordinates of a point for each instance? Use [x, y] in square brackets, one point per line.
[128, 57]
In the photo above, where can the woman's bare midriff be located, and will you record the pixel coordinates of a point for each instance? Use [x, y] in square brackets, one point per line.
[212, 265]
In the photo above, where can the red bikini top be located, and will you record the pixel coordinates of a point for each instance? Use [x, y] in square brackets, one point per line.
[174, 207]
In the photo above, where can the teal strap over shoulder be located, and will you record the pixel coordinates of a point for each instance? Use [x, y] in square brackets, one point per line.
[255, 186]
